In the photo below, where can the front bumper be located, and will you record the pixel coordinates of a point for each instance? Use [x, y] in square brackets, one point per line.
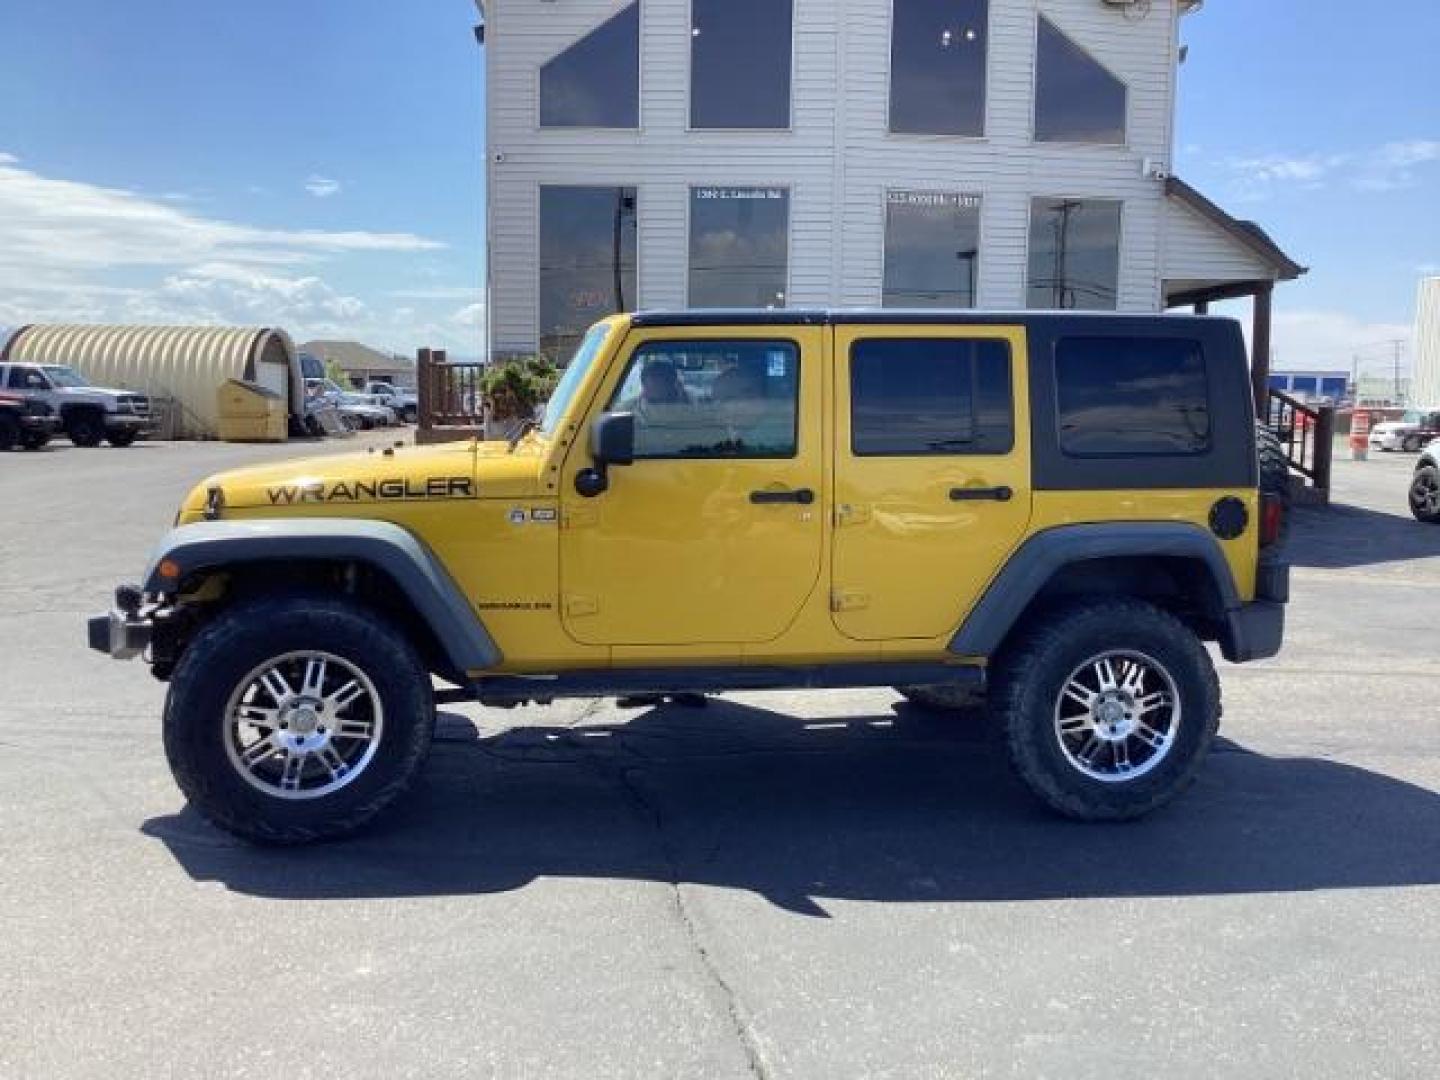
[120, 635]
[1386, 441]
[128, 422]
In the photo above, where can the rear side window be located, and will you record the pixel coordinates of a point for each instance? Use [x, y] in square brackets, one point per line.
[913, 397]
[1122, 396]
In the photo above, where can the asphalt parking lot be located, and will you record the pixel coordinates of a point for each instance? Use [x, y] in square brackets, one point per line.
[780, 885]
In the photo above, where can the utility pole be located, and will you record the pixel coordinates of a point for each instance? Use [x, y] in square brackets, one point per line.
[1397, 345]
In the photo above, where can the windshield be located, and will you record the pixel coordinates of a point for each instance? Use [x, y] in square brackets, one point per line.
[574, 375]
[64, 376]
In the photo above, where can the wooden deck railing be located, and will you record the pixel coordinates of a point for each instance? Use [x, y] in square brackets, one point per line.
[1307, 432]
[452, 405]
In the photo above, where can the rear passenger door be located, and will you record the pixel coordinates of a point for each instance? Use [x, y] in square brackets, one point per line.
[932, 486]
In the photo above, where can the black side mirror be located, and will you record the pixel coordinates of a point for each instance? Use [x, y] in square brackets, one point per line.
[612, 442]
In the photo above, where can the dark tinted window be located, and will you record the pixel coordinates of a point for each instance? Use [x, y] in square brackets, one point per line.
[740, 63]
[712, 399]
[596, 81]
[1074, 254]
[587, 261]
[937, 66]
[912, 397]
[739, 247]
[1076, 99]
[1125, 396]
[932, 246]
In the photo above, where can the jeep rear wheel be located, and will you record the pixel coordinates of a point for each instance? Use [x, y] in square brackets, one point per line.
[1109, 708]
[9, 431]
[34, 440]
[84, 427]
[121, 439]
[297, 718]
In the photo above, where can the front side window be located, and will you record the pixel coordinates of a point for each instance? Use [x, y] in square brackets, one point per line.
[587, 261]
[1119, 397]
[739, 247]
[740, 63]
[937, 67]
[932, 248]
[1074, 254]
[595, 83]
[917, 397]
[1076, 98]
[712, 399]
[61, 375]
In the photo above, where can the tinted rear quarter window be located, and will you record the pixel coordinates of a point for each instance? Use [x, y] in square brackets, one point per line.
[1128, 396]
[912, 397]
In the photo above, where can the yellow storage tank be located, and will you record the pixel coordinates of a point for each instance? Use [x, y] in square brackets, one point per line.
[249, 412]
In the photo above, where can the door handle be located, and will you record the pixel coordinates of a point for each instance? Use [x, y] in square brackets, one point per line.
[803, 496]
[981, 494]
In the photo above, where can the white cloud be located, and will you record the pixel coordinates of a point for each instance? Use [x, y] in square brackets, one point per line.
[78, 252]
[1386, 167]
[322, 187]
[1393, 166]
[1302, 339]
[470, 315]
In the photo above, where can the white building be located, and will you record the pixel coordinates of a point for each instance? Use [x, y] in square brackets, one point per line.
[1426, 390]
[988, 153]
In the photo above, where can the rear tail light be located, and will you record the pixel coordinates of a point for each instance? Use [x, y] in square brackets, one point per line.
[1272, 519]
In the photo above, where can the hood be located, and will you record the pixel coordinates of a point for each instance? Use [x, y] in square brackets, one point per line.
[1389, 427]
[99, 391]
[360, 484]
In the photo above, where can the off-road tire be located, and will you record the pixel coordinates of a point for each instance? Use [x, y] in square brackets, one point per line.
[1274, 473]
[227, 649]
[1424, 487]
[943, 697]
[85, 427]
[121, 439]
[1032, 671]
[10, 435]
[34, 440]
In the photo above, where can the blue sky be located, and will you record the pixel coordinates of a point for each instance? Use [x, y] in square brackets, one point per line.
[318, 163]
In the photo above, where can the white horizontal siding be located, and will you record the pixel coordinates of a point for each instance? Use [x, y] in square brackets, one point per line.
[837, 159]
[1195, 250]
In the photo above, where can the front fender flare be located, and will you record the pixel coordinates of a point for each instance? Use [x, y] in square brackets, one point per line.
[399, 553]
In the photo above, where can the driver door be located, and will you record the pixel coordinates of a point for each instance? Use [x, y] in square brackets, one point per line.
[713, 535]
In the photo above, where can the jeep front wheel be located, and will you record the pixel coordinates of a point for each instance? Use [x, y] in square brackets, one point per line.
[1425, 495]
[121, 439]
[297, 718]
[84, 427]
[1109, 708]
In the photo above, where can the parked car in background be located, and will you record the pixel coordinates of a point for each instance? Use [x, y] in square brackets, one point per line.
[1410, 433]
[89, 414]
[25, 422]
[356, 408]
[405, 402]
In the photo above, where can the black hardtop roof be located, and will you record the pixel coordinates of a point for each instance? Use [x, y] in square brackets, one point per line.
[891, 316]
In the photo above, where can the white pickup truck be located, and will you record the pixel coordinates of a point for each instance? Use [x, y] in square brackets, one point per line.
[89, 414]
[404, 402]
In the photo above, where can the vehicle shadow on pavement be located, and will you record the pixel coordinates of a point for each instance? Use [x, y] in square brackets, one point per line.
[895, 808]
[1339, 535]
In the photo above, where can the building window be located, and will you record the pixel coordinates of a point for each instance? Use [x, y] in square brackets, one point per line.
[932, 247]
[595, 83]
[937, 67]
[739, 247]
[712, 399]
[1127, 396]
[1074, 254]
[740, 63]
[587, 261]
[925, 396]
[1076, 98]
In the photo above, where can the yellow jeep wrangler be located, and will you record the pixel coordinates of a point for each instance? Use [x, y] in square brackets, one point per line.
[1053, 510]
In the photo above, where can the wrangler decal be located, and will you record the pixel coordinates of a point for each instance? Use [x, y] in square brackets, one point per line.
[400, 488]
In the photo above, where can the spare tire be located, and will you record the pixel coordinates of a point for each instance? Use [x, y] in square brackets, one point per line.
[1274, 472]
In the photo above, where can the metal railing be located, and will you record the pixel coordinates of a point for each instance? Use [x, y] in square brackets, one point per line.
[1307, 434]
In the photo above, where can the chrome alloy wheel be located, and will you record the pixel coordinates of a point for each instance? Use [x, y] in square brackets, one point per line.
[303, 725]
[1117, 716]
